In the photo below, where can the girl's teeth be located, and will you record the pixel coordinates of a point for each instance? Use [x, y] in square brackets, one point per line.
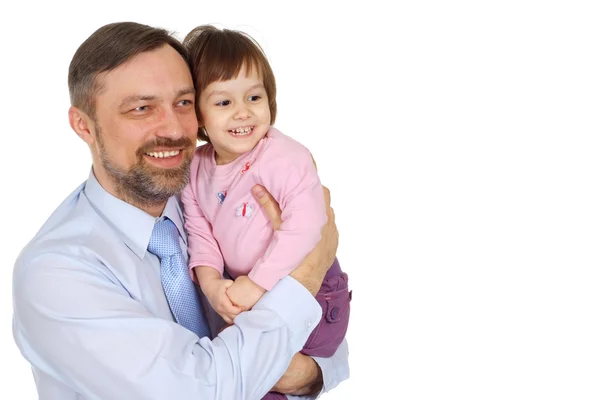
[241, 131]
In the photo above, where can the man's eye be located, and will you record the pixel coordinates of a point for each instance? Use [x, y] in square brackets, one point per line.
[186, 102]
[224, 103]
[141, 108]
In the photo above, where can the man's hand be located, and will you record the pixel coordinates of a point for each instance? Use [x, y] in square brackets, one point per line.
[302, 378]
[244, 293]
[268, 204]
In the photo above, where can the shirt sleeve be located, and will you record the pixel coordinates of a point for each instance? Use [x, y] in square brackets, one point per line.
[292, 178]
[76, 324]
[203, 248]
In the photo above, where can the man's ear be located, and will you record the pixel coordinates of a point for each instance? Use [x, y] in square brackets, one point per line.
[82, 125]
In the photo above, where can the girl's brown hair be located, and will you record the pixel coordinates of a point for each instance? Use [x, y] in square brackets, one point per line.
[219, 55]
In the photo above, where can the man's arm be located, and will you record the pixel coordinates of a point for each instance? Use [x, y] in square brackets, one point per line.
[75, 324]
[303, 377]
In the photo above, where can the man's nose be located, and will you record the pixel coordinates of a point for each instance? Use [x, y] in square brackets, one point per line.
[170, 125]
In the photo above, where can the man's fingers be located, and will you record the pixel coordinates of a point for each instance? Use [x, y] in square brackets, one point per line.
[330, 232]
[268, 204]
[328, 208]
[327, 196]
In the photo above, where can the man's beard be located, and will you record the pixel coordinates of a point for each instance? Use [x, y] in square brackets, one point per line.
[143, 184]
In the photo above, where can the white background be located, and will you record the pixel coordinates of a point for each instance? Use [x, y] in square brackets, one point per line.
[460, 141]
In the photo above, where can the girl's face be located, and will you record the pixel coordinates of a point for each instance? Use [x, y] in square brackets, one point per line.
[235, 114]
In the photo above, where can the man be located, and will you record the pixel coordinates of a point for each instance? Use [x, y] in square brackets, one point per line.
[98, 290]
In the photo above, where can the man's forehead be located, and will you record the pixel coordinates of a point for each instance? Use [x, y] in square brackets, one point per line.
[160, 73]
[141, 91]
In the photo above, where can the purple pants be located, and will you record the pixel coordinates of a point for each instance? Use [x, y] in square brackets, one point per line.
[334, 298]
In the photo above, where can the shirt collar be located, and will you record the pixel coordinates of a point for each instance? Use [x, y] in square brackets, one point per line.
[132, 224]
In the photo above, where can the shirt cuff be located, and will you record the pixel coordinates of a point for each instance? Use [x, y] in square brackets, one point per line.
[336, 368]
[295, 305]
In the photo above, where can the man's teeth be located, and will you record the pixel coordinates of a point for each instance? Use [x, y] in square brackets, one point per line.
[163, 154]
[241, 131]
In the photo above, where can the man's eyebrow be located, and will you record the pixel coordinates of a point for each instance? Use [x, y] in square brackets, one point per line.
[144, 97]
[135, 98]
[188, 90]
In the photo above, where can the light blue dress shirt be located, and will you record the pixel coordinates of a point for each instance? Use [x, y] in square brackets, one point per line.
[91, 317]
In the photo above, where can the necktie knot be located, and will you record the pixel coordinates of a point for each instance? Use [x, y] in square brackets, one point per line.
[164, 241]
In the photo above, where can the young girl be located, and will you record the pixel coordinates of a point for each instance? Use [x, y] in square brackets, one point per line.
[236, 109]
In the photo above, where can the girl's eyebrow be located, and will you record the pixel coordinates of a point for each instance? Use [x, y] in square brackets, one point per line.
[221, 92]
